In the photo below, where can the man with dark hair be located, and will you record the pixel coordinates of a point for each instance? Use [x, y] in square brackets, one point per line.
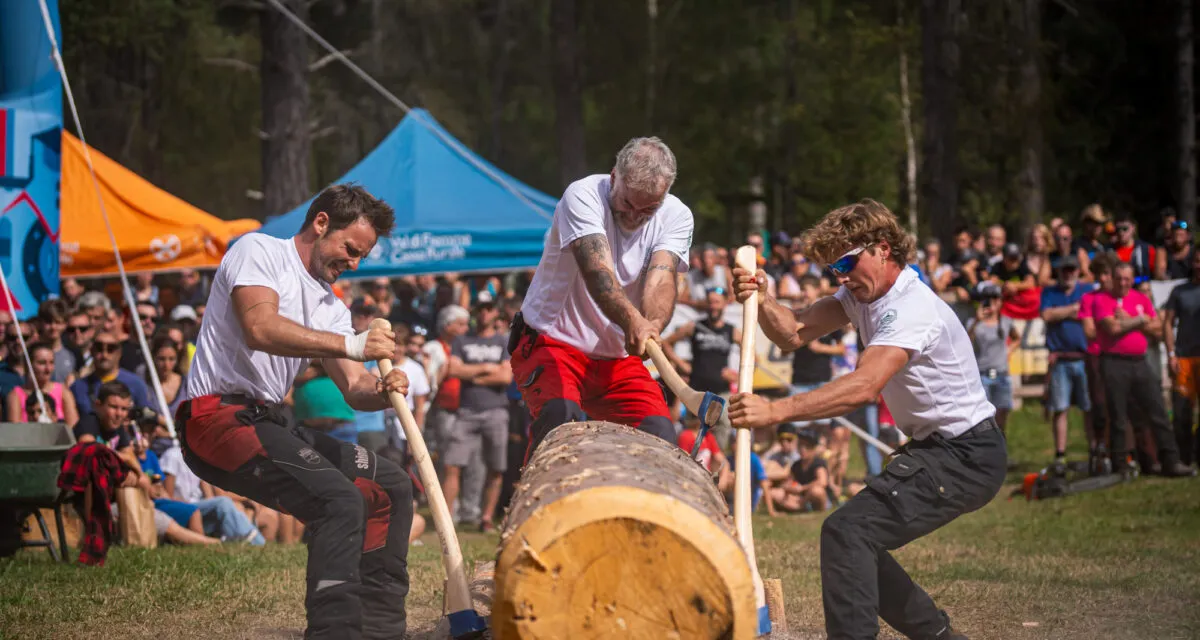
[1181, 332]
[108, 421]
[1131, 250]
[106, 350]
[1123, 319]
[52, 321]
[271, 312]
[132, 358]
[78, 338]
[1068, 345]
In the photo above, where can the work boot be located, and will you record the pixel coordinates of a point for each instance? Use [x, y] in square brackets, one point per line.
[1177, 469]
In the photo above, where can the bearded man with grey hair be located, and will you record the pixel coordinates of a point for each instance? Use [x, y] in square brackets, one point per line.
[605, 287]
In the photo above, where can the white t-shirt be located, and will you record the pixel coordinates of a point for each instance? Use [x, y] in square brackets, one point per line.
[939, 389]
[558, 304]
[187, 485]
[223, 364]
[418, 385]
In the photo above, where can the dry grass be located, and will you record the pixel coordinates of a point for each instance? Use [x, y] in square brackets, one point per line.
[1120, 563]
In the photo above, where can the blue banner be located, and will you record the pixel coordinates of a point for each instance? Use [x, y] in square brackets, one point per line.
[30, 148]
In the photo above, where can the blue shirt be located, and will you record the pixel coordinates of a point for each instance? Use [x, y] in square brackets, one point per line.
[757, 474]
[9, 379]
[1066, 336]
[150, 464]
[369, 421]
[84, 390]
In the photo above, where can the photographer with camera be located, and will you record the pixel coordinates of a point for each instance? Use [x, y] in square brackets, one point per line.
[994, 337]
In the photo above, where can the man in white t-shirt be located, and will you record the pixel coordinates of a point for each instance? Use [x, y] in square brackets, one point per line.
[271, 310]
[605, 286]
[919, 357]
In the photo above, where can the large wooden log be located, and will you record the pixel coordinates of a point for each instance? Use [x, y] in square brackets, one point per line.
[616, 533]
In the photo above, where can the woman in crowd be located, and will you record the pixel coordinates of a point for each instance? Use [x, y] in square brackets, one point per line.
[166, 365]
[1038, 246]
[938, 273]
[994, 337]
[41, 355]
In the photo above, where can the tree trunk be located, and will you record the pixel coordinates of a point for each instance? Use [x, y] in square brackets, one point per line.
[651, 60]
[568, 91]
[613, 532]
[910, 143]
[285, 106]
[1186, 113]
[1027, 16]
[939, 88]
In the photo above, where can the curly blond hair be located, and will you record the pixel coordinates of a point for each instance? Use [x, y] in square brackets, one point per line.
[862, 224]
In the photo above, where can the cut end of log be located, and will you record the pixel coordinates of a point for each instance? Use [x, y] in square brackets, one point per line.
[615, 533]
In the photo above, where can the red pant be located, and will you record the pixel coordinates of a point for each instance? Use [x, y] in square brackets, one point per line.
[620, 391]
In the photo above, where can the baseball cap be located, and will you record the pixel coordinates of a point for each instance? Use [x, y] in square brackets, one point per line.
[1011, 250]
[1068, 262]
[184, 312]
[787, 428]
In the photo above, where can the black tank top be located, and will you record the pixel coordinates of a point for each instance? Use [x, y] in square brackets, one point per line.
[710, 354]
[1177, 269]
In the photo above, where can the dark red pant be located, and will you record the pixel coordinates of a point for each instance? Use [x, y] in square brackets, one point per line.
[560, 383]
[357, 507]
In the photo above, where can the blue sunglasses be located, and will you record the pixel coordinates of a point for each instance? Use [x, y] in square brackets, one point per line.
[845, 264]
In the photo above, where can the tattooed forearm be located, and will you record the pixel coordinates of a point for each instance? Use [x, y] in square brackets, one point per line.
[595, 264]
[658, 296]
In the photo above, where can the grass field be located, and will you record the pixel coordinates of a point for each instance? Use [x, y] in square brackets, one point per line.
[1119, 563]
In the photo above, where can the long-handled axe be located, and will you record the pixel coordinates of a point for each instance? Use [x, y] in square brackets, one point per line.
[709, 406]
[465, 622]
[746, 259]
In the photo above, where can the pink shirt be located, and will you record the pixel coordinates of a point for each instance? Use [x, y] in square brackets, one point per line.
[1086, 304]
[1104, 305]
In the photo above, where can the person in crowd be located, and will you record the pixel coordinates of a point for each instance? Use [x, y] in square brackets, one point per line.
[1038, 247]
[96, 305]
[1123, 318]
[78, 338]
[1091, 241]
[1181, 333]
[41, 354]
[1064, 246]
[966, 263]
[404, 309]
[711, 340]
[1178, 251]
[189, 321]
[452, 321]
[809, 482]
[812, 368]
[710, 455]
[938, 273]
[1018, 285]
[219, 514]
[144, 289]
[1134, 251]
[318, 404]
[193, 288]
[780, 260]
[760, 485]
[379, 293]
[70, 291]
[710, 275]
[778, 459]
[51, 323]
[995, 240]
[166, 354]
[1101, 268]
[994, 336]
[408, 345]
[33, 408]
[132, 358]
[481, 361]
[106, 350]
[1068, 345]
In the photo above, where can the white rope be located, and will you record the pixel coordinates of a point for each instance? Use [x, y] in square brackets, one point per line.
[391, 97]
[129, 299]
[46, 417]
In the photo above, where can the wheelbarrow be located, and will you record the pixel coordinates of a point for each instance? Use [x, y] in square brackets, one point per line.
[31, 457]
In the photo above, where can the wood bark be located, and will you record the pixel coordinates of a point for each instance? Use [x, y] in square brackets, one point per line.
[616, 533]
[568, 91]
[1186, 114]
[285, 108]
[1027, 18]
[940, 92]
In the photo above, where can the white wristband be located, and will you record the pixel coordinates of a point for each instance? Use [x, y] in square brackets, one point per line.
[356, 347]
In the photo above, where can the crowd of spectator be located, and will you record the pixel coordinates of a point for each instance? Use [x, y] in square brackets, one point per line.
[1109, 346]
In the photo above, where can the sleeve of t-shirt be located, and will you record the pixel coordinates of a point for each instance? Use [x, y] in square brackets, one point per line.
[456, 348]
[757, 472]
[418, 383]
[1172, 303]
[170, 461]
[676, 236]
[1103, 307]
[502, 340]
[1149, 306]
[581, 213]
[1085, 306]
[87, 426]
[1049, 300]
[913, 329]
[341, 324]
[249, 263]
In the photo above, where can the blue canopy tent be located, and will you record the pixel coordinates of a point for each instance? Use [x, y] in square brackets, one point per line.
[454, 210]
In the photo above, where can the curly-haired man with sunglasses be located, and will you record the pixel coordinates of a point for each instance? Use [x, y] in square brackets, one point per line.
[918, 356]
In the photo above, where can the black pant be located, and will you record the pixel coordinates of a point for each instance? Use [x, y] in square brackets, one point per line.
[1129, 381]
[1185, 436]
[357, 508]
[929, 483]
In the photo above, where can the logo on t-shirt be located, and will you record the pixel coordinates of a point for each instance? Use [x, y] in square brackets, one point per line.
[482, 353]
[886, 320]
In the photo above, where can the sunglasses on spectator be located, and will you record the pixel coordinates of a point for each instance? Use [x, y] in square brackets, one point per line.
[105, 347]
[78, 329]
[845, 264]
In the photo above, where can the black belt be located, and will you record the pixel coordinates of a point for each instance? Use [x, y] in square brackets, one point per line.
[241, 400]
[987, 424]
[1122, 356]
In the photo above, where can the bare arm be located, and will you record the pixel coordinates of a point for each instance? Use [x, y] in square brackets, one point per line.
[70, 410]
[362, 389]
[595, 262]
[658, 293]
[876, 366]
[419, 404]
[1116, 327]
[1168, 331]
[1160, 263]
[684, 331]
[13, 407]
[456, 368]
[1089, 327]
[265, 330]
[791, 330]
[501, 376]
[1059, 314]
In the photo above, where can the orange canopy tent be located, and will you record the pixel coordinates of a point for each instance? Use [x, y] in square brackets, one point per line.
[155, 230]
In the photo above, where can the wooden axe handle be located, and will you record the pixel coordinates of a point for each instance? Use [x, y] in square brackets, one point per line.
[458, 595]
[746, 258]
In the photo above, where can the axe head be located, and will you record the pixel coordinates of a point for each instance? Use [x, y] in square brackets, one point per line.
[713, 413]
